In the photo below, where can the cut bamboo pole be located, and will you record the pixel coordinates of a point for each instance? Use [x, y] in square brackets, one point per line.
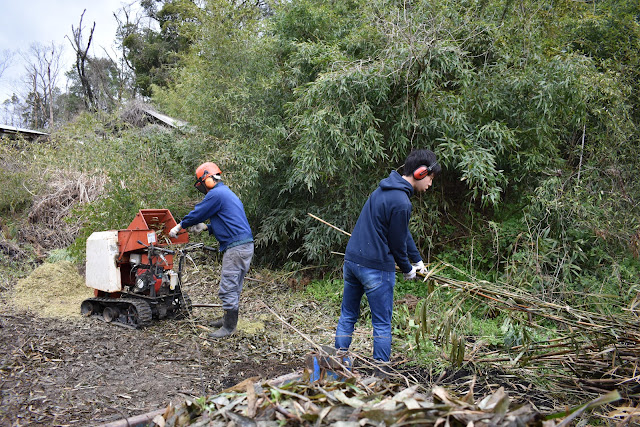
[326, 223]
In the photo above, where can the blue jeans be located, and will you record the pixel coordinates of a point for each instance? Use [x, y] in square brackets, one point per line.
[378, 285]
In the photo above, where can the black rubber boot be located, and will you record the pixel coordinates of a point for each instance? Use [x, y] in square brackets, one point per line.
[229, 323]
[382, 370]
[217, 323]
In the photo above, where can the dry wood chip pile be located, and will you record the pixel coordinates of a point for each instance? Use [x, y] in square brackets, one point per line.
[51, 290]
[370, 402]
[46, 226]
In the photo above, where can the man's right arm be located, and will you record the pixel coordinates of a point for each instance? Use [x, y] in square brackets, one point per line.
[397, 238]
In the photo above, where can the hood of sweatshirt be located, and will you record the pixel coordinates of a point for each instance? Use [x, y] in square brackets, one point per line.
[395, 181]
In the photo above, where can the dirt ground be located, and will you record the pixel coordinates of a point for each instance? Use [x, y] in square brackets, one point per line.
[66, 372]
[79, 371]
[82, 371]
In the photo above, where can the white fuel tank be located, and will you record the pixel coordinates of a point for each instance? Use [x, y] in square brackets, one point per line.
[102, 252]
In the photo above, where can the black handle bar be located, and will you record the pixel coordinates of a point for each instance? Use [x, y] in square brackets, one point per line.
[193, 246]
[158, 249]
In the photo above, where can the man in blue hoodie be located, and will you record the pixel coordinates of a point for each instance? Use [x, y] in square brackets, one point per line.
[229, 225]
[380, 241]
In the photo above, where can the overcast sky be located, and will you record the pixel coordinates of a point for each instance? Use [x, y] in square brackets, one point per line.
[23, 22]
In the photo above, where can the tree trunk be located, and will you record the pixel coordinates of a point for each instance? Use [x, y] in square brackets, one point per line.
[81, 60]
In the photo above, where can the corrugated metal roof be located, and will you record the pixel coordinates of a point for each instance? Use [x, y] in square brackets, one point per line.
[16, 130]
[165, 119]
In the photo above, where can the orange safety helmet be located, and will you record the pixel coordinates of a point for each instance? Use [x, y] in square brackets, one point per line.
[207, 176]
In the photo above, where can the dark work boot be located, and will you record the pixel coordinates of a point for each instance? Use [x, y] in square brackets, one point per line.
[229, 323]
[217, 323]
[382, 370]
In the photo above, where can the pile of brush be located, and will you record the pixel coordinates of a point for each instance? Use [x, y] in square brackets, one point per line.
[592, 354]
[369, 402]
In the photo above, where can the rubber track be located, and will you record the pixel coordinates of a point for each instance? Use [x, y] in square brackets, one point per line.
[142, 307]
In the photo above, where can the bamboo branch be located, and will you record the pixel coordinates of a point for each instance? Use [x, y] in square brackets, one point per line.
[326, 223]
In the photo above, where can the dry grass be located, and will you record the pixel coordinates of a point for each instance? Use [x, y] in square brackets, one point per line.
[133, 113]
[46, 227]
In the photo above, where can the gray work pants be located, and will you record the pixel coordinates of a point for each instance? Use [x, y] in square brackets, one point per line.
[235, 264]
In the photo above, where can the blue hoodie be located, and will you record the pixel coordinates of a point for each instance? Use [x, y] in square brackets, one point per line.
[381, 237]
[228, 222]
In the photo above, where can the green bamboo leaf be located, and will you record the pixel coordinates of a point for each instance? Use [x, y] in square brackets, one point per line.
[453, 356]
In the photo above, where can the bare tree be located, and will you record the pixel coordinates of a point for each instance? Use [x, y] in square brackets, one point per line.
[52, 64]
[42, 67]
[5, 60]
[82, 59]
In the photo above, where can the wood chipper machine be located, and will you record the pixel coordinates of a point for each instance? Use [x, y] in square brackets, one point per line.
[132, 272]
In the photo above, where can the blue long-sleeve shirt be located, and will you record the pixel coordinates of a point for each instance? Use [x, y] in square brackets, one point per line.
[225, 211]
[381, 237]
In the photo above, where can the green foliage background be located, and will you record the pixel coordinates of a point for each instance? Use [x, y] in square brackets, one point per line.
[531, 107]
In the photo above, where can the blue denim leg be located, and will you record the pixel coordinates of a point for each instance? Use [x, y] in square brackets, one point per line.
[381, 305]
[378, 286]
[350, 310]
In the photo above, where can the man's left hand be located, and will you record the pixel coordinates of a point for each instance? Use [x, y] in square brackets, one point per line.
[420, 268]
[410, 275]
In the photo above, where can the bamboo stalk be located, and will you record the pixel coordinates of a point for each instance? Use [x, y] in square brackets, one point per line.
[326, 223]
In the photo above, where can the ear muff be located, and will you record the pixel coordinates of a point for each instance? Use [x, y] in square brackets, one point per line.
[209, 182]
[422, 171]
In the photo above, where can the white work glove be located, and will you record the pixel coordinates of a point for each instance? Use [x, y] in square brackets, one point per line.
[411, 274]
[198, 228]
[421, 269]
[174, 231]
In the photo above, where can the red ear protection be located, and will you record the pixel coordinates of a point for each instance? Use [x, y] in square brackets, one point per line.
[421, 172]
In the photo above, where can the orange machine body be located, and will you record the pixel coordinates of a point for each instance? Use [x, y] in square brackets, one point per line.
[131, 272]
[151, 227]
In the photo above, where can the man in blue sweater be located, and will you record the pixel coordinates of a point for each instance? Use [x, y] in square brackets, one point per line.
[380, 241]
[228, 223]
